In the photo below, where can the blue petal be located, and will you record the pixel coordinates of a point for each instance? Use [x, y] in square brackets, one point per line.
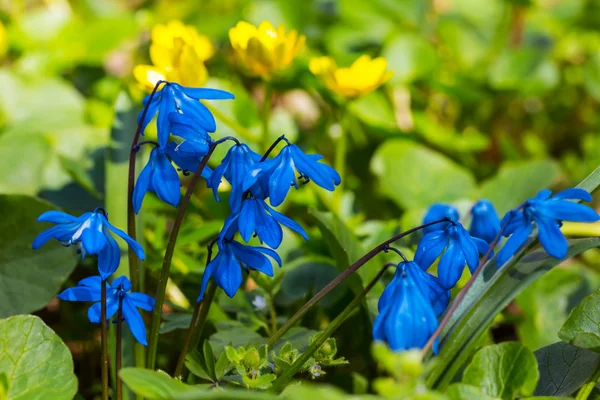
[551, 237]
[142, 183]
[321, 174]
[109, 258]
[252, 258]
[512, 221]
[94, 282]
[282, 177]
[267, 228]
[573, 193]
[95, 311]
[138, 250]
[437, 212]
[121, 283]
[208, 272]
[207, 94]
[165, 180]
[485, 223]
[152, 109]
[80, 293]
[514, 242]
[564, 210]
[247, 219]
[163, 125]
[56, 217]
[141, 300]
[451, 265]
[93, 237]
[285, 221]
[430, 247]
[193, 107]
[134, 321]
[470, 248]
[62, 233]
[543, 194]
[228, 275]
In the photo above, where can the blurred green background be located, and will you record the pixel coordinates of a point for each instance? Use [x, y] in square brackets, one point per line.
[493, 99]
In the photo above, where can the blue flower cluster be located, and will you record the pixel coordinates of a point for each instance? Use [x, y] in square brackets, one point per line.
[411, 303]
[94, 235]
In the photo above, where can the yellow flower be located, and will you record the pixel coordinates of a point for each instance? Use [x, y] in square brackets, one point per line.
[362, 77]
[178, 53]
[264, 51]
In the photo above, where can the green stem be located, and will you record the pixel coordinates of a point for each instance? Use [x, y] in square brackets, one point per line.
[273, 314]
[231, 123]
[119, 350]
[166, 266]
[188, 339]
[341, 278]
[266, 115]
[587, 388]
[104, 341]
[341, 151]
[289, 373]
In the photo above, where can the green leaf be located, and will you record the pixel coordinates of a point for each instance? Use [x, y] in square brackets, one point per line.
[582, 328]
[237, 336]
[222, 366]
[544, 306]
[591, 76]
[209, 360]
[461, 391]
[28, 279]
[410, 57]
[36, 362]
[154, 384]
[447, 138]
[195, 363]
[516, 182]
[503, 370]
[375, 110]
[437, 178]
[526, 70]
[564, 368]
[263, 382]
[490, 293]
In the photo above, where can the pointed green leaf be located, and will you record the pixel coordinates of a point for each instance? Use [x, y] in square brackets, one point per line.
[461, 391]
[209, 360]
[195, 364]
[582, 328]
[503, 370]
[222, 366]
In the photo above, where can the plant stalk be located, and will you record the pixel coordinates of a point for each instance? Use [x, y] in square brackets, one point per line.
[166, 266]
[104, 341]
[266, 116]
[341, 151]
[342, 277]
[587, 388]
[289, 373]
[119, 350]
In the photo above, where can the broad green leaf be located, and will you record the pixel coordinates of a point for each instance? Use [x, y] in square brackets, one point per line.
[195, 363]
[462, 391]
[374, 110]
[526, 70]
[410, 57]
[544, 305]
[564, 368]
[591, 76]
[414, 176]
[29, 279]
[516, 182]
[36, 362]
[447, 138]
[503, 370]
[582, 328]
[238, 336]
[154, 384]
[491, 292]
[263, 382]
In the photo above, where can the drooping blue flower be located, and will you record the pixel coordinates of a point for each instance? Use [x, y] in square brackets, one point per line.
[187, 162]
[235, 166]
[437, 212]
[427, 283]
[176, 98]
[92, 232]
[196, 140]
[117, 294]
[158, 176]
[406, 317]
[255, 216]
[226, 267]
[280, 173]
[461, 248]
[547, 213]
[485, 223]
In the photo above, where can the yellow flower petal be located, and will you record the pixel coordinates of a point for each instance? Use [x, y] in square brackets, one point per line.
[147, 75]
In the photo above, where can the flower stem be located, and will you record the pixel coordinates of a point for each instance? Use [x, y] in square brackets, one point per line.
[119, 350]
[587, 388]
[280, 382]
[341, 150]
[166, 266]
[266, 116]
[104, 341]
[342, 277]
[231, 123]
[273, 314]
[198, 318]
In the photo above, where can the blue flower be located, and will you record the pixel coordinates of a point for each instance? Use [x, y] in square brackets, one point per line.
[117, 295]
[187, 162]
[280, 173]
[547, 213]
[158, 176]
[226, 267]
[485, 223]
[176, 98]
[406, 317]
[427, 283]
[235, 166]
[256, 216]
[92, 232]
[461, 248]
[196, 140]
[437, 212]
